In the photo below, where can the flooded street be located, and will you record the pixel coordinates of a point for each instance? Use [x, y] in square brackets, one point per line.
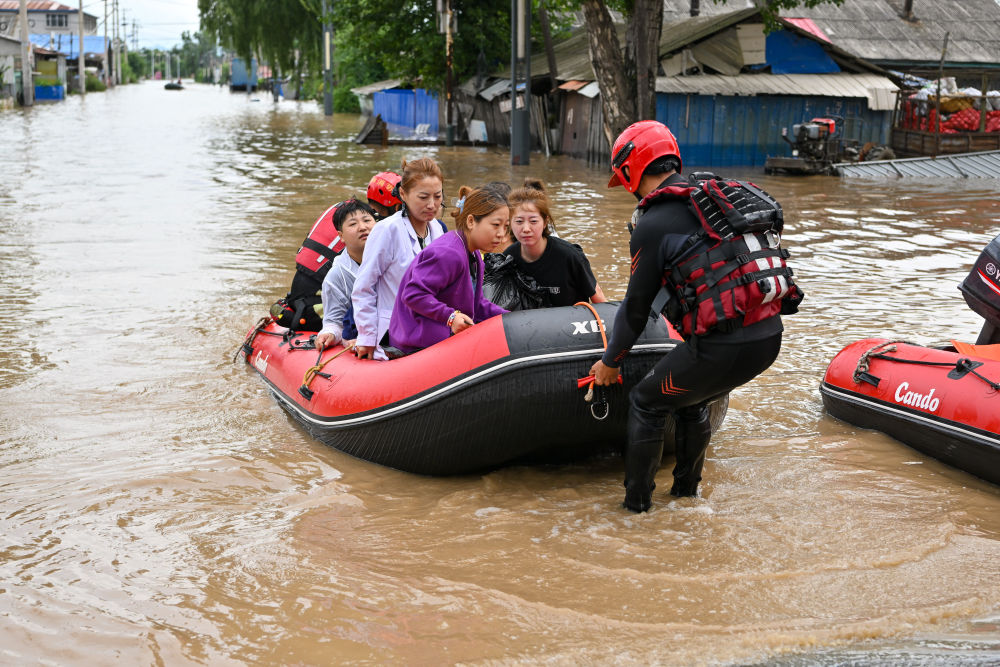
[158, 507]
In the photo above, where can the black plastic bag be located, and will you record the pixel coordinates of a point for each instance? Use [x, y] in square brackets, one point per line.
[508, 287]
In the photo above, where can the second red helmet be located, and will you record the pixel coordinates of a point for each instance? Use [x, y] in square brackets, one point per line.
[381, 186]
[638, 145]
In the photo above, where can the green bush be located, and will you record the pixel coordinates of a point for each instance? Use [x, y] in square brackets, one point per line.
[94, 84]
[312, 88]
[344, 101]
[47, 81]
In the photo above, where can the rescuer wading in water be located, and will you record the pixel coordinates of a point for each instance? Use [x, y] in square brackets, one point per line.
[724, 287]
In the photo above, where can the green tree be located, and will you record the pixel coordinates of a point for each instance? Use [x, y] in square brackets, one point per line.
[196, 53]
[284, 33]
[137, 65]
[402, 39]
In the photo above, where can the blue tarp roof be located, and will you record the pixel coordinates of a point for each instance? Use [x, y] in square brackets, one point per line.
[69, 45]
[788, 53]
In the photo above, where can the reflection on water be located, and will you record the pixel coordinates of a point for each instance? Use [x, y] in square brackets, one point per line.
[157, 505]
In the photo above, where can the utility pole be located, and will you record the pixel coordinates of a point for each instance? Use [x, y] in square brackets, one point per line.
[81, 60]
[118, 47]
[114, 42]
[520, 72]
[27, 78]
[444, 17]
[107, 53]
[327, 57]
[124, 39]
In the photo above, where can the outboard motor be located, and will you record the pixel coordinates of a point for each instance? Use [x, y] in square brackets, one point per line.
[981, 289]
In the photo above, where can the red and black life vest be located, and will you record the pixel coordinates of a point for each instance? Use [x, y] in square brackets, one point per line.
[741, 278]
[320, 248]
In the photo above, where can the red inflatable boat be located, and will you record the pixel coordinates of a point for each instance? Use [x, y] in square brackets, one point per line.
[944, 402]
[504, 391]
[940, 402]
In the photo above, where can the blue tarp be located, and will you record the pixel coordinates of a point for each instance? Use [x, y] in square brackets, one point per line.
[788, 53]
[407, 108]
[69, 45]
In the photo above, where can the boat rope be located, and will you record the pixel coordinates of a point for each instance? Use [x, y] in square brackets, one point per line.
[315, 370]
[247, 347]
[960, 367]
[596, 396]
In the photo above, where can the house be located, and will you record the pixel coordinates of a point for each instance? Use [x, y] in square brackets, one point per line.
[45, 16]
[956, 43]
[726, 91]
[10, 67]
[49, 75]
[729, 89]
[95, 50]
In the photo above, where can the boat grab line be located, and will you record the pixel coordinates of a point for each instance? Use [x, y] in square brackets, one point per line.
[486, 371]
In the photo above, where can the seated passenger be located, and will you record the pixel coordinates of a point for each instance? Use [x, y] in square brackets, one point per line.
[383, 196]
[441, 292]
[301, 309]
[558, 267]
[353, 220]
[392, 245]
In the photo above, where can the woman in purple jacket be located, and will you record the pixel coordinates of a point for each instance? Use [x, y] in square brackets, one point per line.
[441, 292]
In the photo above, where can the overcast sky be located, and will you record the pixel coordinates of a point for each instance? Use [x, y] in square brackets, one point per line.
[159, 23]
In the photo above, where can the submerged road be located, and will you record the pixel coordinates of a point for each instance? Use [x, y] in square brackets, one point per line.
[158, 507]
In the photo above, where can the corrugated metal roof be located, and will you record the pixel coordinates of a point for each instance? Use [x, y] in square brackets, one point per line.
[681, 9]
[376, 87]
[573, 85]
[874, 29]
[69, 44]
[37, 6]
[964, 165]
[809, 26]
[499, 88]
[680, 33]
[878, 90]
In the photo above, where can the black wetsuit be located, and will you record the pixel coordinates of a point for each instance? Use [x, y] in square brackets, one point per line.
[695, 372]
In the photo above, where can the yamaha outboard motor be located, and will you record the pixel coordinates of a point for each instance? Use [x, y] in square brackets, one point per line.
[981, 289]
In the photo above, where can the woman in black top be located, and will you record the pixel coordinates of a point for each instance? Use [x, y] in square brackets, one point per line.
[559, 267]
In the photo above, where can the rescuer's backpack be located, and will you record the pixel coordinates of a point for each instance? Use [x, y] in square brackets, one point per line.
[741, 277]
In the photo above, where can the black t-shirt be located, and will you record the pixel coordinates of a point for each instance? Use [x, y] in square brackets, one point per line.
[563, 267]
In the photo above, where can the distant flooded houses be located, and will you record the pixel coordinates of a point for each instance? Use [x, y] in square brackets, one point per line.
[728, 89]
[949, 51]
[54, 36]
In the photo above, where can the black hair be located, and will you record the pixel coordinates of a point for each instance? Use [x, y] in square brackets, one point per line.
[499, 187]
[663, 165]
[350, 206]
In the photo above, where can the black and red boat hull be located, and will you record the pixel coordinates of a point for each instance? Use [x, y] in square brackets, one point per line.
[937, 401]
[502, 392]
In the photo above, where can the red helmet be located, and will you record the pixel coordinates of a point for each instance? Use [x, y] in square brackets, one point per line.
[636, 147]
[381, 186]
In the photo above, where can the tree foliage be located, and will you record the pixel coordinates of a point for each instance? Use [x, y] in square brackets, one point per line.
[285, 33]
[402, 40]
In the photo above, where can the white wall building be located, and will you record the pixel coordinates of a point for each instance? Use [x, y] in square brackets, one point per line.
[45, 17]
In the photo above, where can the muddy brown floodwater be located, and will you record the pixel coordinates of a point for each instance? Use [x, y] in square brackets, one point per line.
[158, 507]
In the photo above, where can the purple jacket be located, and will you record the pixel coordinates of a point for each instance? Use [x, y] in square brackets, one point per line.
[436, 284]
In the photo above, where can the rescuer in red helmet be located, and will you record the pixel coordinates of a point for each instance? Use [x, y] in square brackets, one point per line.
[383, 195]
[722, 350]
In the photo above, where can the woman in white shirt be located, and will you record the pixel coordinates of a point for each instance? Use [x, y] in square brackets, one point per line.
[391, 246]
